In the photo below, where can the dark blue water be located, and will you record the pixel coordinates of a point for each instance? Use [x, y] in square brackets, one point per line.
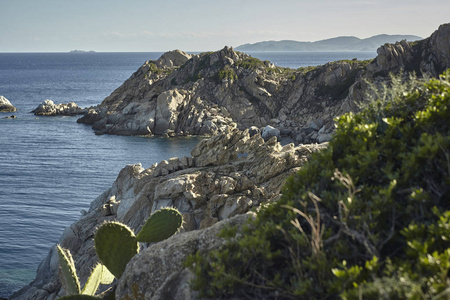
[51, 167]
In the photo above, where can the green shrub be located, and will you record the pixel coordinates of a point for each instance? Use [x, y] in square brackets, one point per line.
[369, 217]
[153, 68]
[250, 63]
[226, 73]
[304, 70]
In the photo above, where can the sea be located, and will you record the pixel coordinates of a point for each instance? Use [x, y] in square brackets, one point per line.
[51, 168]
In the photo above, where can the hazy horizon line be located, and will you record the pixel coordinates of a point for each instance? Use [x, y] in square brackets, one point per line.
[188, 51]
[249, 43]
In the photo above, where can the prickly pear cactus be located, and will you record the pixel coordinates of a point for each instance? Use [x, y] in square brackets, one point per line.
[115, 245]
[69, 273]
[99, 275]
[107, 276]
[161, 225]
[78, 297]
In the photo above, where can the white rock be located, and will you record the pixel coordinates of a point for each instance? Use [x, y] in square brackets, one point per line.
[269, 132]
[5, 105]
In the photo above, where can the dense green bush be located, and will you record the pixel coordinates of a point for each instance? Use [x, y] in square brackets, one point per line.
[250, 63]
[153, 68]
[227, 73]
[369, 217]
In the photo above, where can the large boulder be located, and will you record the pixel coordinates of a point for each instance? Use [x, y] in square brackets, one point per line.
[158, 272]
[168, 109]
[394, 56]
[5, 105]
[172, 59]
[268, 132]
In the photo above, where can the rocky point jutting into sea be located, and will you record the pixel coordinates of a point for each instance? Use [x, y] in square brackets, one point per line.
[202, 94]
[220, 94]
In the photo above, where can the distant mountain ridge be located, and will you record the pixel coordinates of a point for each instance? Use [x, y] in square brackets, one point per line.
[342, 43]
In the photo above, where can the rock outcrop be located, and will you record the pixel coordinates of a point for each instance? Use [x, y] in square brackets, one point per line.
[49, 108]
[5, 105]
[172, 59]
[203, 94]
[158, 272]
[268, 132]
[430, 56]
[227, 175]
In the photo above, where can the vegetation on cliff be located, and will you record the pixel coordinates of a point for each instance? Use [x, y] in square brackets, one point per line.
[367, 217]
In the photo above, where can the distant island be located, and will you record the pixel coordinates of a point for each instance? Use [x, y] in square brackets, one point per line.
[82, 51]
[342, 43]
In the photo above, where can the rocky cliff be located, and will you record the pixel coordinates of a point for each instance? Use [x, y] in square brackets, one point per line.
[227, 175]
[182, 94]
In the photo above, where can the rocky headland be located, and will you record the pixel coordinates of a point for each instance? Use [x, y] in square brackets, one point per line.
[6, 106]
[230, 96]
[182, 94]
[49, 108]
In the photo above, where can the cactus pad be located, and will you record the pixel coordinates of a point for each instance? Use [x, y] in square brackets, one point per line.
[115, 245]
[69, 273]
[79, 297]
[107, 277]
[161, 225]
[100, 275]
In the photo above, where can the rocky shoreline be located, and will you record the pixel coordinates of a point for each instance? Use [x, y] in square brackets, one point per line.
[182, 94]
[222, 94]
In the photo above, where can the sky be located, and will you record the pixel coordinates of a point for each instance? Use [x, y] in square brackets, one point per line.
[204, 25]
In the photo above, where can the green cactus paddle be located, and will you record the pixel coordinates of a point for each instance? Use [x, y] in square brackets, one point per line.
[70, 278]
[100, 275]
[115, 245]
[161, 225]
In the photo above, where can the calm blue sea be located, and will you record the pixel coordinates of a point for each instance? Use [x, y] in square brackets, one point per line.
[51, 167]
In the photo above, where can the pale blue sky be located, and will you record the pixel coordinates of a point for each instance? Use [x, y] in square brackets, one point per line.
[200, 25]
